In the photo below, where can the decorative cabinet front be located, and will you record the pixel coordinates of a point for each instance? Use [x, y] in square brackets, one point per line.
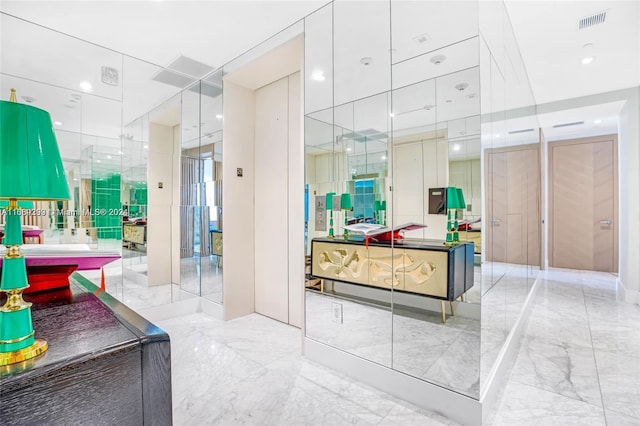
[135, 234]
[425, 267]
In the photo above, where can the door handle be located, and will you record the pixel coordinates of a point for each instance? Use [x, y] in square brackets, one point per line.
[606, 222]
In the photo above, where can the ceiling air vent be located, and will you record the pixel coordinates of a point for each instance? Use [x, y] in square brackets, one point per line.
[592, 20]
[190, 67]
[575, 123]
[173, 78]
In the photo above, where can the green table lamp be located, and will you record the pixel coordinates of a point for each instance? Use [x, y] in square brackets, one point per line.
[30, 169]
[455, 202]
[329, 206]
[377, 206]
[345, 204]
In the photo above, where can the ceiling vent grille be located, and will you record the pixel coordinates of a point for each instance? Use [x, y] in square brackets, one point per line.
[592, 20]
[190, 67]
[173, 78]
[575, 123]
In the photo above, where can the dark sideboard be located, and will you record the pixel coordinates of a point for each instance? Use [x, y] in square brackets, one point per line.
[105, 364]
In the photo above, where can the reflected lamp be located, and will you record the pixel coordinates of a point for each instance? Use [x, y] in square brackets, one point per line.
[30, 169]
[377, 206]
[455, 202]
[329, 206]
[345, 204]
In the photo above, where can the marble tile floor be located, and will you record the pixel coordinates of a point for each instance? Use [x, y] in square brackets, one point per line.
[250, 371]
[579, 365]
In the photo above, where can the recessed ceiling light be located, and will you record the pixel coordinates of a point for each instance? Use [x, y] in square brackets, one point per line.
[428, 107]
[318, 75]
[366, 60]
[456, 147]
[98, 161]
[28, 99]
[146, 146]
[86, 86]
[391, 115]
[448, 101]
[384, 157]
[438, 59]
[348, 149]
[461, 86]
[119, 152]
[587, 60]
[598, 121]
[497, 135]
[471, 95]
[219, 116]
[76, 96]
[58, 123]
[108, 157]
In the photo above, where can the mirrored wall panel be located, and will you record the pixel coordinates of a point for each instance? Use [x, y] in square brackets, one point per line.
[201, 220]
[417, 142]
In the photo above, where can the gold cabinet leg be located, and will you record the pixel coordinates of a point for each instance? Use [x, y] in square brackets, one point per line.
[444, 314]
[462, 297]
[321, 285]
[451, 305]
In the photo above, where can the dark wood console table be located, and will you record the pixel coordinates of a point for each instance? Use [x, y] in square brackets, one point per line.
[105, 365]
[424, 267]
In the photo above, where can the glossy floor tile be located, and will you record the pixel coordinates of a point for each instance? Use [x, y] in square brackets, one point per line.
[250, 371]
[579, 362]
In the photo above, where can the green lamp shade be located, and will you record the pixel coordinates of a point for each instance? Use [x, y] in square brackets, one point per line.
[329, 203]
[452, 198]
[383, 205]
[377, 206]
[30, 163]
[461, 203]
[345, 201]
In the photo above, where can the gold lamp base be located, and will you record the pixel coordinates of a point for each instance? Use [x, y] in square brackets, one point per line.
[24, 354]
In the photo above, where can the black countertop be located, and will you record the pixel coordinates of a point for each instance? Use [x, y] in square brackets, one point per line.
[105, 363]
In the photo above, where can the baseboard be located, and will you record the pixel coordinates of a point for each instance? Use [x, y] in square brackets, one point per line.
[626, 295]
[210, 308]
[458, 407]
[503, 364]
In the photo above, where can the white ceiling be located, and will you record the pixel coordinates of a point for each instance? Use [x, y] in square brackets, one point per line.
[552, 46]
[214, 32]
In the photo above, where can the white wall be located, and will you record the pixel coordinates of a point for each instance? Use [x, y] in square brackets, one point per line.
[279, 191]
[238, 201]
[629, 196]
[466, 174]
[159, 227]
[417, 167]
[271, 197]
[296, 200]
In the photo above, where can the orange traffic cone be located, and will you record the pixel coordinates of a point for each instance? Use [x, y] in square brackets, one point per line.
[102, 281]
